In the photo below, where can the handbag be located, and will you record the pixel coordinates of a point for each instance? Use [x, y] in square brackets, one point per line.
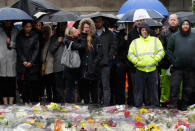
[43, 67]
[70, 58]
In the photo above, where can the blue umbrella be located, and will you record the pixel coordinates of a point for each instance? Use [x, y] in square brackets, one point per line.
[8, 13]
[133, 15]
[143, 4]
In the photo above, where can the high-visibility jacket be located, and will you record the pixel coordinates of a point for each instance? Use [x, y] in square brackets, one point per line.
[145, 53]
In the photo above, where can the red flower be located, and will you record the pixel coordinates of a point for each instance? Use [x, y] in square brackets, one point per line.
[126, 114]
[139, 124]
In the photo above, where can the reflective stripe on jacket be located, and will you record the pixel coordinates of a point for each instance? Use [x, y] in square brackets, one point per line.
[145, 53]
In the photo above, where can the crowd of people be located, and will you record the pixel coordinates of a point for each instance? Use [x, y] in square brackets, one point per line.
[30, 63]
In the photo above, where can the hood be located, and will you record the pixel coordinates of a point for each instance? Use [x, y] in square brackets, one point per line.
[144, 25]
[180, 26]
[90, 22]
[48, 28]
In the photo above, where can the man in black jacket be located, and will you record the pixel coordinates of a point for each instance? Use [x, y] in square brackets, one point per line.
[165, 63]
[165, 35]
[180, 51]
[109, 46]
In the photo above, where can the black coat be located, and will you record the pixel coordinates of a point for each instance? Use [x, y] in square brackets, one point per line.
[122, 47]
[164, 37]
[70, 73]
[27, 49]
[109, 47]
[90, 59]
[180, 49]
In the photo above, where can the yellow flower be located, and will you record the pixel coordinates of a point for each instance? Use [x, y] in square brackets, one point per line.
[35, 108]
[82, 124]
[105, 125]
[28, 122]
[153, 127]
[63, 110]
[142, 129]
[143, 110]
[90, 121]
[39, 123]
[138, 118]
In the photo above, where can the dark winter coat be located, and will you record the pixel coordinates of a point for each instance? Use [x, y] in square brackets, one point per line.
[27, 49]
[180, 49]
[164, 37]
[90, 59]
[109, 47]
[79, 45]
[122, 47]
[56, 50]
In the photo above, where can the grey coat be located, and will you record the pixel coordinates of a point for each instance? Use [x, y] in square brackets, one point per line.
[7, 57]
[56, 50]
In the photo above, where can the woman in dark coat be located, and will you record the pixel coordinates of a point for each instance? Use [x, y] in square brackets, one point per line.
[90, 59]
[72, 74]
[27, 65]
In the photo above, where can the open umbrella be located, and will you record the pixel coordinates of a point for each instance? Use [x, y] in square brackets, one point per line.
[60, 16]
[34, 6]
[109, 19]
[133, 15]
[153, 23]
[186, 15]
[8, 13]
[143, 4]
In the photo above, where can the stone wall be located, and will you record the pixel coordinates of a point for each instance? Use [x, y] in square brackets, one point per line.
[110, 6]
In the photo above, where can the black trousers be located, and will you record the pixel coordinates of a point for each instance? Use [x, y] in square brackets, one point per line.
[8, 86]
[48, 84]
[70, 91]
[146, 81]
[87, 90]
[105, 80]
[29, 90]
[60, 86]
[121, 71]
[188, 78]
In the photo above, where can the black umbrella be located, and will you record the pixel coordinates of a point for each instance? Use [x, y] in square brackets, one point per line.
[153, 23]
[34, 6]
[60, 16]
[98, 14]
[108, 18]
[186, 15]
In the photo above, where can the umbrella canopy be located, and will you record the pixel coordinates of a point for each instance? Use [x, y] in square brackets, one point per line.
[34, 6]
[59, 16]
[143, 4]
[109, 19]
[186, 15]
[8, 13]
[153, 23]
[133, 15]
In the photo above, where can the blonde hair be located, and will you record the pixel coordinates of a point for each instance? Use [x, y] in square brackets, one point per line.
[69, 31]
[92, 30]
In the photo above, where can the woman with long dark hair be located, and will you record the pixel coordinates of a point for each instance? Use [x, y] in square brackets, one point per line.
[28, 62]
